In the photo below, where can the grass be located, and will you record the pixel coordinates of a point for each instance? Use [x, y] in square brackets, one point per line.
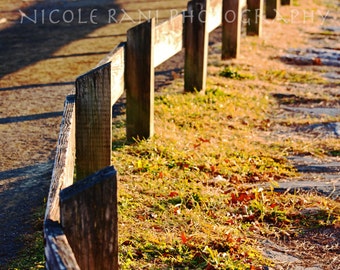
[191, 197]
[281, 76]
[32, 257]
[233, 73]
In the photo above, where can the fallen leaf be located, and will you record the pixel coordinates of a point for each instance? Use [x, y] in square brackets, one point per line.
[173, 194]
[183, 237]
[317, 61]
[204, 140]
[242, 197]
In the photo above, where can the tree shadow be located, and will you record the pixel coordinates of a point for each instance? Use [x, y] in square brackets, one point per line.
[29, 86]
[45, 27]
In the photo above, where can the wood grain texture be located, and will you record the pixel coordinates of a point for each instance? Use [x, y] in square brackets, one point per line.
[168, 39]
[58, 252]
[93, 121]
[231, 29]
[63, 169]
[139, 80]
[89, 219]
[196, 46]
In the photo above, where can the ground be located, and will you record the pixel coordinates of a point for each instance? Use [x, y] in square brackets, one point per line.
[39, 62]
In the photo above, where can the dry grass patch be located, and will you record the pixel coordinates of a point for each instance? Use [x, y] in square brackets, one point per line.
[188, 197]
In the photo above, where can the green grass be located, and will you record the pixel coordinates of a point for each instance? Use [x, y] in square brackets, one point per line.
[233, 73]
[280, 76]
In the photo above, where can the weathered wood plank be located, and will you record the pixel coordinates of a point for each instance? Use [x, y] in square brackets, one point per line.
[93, 121]
[168, 39]
[214, 15]
[255, 17]
[196, 46]
[139, 81]
[63, 169]
[271, 8]
[117, 59]
[89, 219]
[231, 29]
[57, 251]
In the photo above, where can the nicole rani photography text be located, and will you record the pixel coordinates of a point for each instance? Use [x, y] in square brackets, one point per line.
[297, 16]
[108, 16]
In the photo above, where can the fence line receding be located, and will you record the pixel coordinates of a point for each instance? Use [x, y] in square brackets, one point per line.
[80, 225]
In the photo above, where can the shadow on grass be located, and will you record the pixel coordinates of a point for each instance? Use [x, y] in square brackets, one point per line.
[19, 206]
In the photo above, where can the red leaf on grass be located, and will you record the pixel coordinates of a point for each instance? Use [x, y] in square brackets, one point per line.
[197, 145]
[273, 205]
[173, 194]
[233, 198]
[213, 168]
[203, 140]
[242, 197]
[184, 238]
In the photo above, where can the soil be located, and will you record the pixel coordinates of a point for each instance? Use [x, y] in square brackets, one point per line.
[36, 75]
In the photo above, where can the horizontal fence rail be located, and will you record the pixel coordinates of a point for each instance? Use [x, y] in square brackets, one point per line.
[168, 39]
[80, 225]
[58, 252]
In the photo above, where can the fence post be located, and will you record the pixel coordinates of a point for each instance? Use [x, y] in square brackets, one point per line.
[255, 14]
[271, 8]
[285, 2]
[139, 81]
[88, 215]
[231, 28]
[93, 121]
[196, 46]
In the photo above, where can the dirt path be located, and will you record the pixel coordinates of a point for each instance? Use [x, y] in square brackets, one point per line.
[41, 64]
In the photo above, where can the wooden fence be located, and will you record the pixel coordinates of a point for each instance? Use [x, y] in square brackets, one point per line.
[80, 225]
